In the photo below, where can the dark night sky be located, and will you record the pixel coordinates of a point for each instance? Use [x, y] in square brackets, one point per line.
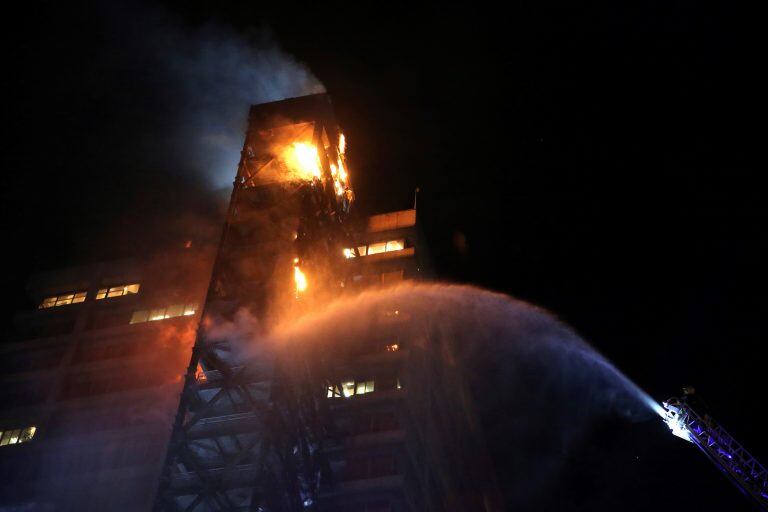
[601, 161]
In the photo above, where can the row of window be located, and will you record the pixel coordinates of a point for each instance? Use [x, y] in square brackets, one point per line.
[62, 300]
[152, 315]
[77, 297]
[376, 248]
[117, 291]
[17, 436]
[350, 388]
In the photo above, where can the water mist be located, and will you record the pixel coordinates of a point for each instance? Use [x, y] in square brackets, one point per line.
[535, 385]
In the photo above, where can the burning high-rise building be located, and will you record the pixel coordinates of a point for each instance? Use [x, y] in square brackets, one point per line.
[257, 427]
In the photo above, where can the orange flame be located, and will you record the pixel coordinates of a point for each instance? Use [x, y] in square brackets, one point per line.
[301, 158]
[342, 172]
[299, 278]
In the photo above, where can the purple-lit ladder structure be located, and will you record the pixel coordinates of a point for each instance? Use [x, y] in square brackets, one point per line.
[720, 447]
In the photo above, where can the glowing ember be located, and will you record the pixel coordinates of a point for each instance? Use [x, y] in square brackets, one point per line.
[342, 144]
[200, 375]
[299, 278]
[302, 160]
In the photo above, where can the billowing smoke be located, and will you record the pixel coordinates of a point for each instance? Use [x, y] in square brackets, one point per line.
[201, 80]
[156, 110]
[535, 386]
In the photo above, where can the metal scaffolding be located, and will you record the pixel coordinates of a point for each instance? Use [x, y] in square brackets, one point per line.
[245, 437]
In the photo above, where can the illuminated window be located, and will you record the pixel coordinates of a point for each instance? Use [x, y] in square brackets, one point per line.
[157, 314]
[350, 388]
[139, 316]
[376, 248]
[364, 387]
[63, 300]
[117, 291]
[17, 436]
[174, 311]
[392, 347]
[153, 315]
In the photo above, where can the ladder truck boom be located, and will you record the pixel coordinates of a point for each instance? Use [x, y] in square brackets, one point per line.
[687, 418]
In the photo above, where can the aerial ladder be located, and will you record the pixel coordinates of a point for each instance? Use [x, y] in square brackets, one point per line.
[687, 418]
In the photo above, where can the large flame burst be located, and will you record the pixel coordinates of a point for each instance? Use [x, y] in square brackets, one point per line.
[303, 161]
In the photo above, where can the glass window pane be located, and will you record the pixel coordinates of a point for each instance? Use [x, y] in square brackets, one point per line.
[132, 288]
[174, 311]
[377, 248]
[348, 388]
[27, 434]
[101, 294]
[395, 245]
[157, 314]
[140, 316]
[6, 437]
[13, 438]
[79, 297]
[190, 309]
[48, 302]
[360, 388]
[369, 386]
[116, 291]
[63, 300]
[361, 250]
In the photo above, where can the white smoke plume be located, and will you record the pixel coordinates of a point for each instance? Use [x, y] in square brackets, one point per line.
[200, 81]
